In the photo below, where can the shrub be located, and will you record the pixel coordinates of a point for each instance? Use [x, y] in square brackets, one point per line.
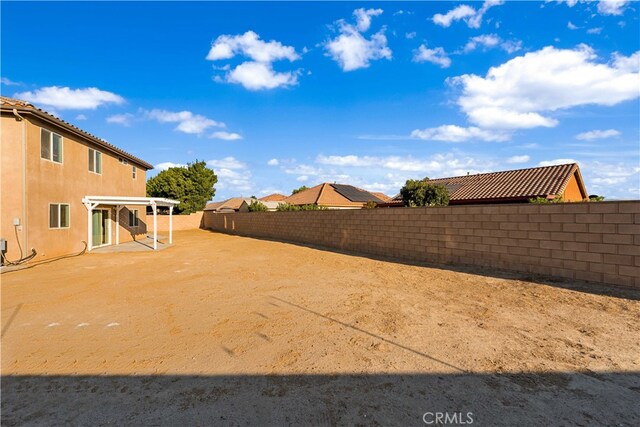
[286, 207]
[544, 200]
[422, 193]
[257, 206]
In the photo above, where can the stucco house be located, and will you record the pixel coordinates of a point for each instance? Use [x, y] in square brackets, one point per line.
[333, 196]
[271, 205]
[62, 186]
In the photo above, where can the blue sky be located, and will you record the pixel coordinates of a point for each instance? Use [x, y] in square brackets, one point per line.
[279, 95]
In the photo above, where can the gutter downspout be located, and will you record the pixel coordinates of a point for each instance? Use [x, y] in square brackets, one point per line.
[24, 178]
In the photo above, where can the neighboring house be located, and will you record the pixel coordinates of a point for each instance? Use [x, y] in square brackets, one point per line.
[275, 197]
[51, 173]
[381, 196]
[271, 205]
[226, 206]
[333, 196]
[513, 186]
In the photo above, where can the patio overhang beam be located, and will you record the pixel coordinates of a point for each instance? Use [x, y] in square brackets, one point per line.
[91, 202]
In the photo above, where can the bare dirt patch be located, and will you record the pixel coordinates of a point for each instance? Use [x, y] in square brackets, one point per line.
[236, 330]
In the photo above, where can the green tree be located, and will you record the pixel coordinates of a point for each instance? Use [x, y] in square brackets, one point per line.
[422, 193]
[191, 185]
[297, 190]
[257, 206]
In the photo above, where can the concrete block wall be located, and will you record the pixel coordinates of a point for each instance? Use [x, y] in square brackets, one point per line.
[598, 242]
[180, 222]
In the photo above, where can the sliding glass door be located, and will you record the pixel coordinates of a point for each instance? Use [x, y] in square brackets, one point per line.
[101, 228]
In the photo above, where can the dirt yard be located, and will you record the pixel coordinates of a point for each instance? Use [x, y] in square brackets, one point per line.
[229, 330]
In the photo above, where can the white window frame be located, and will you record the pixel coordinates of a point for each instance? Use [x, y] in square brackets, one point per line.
[59, 210]
[50, 159]
[134, 172]
[136, 218]
[95, 157]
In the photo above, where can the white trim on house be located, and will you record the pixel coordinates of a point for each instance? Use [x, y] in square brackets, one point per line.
[92, 202]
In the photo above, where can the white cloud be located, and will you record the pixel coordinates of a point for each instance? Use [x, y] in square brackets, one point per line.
[518, 159]
[597, 134]
[442, 164]
[472, 17]
[250, 45]
[187, 121]
[456, 14]
[410, 36]
[227, 136]
[489, 41]
[572, 26]
[227, 163]
[260, 76]
[436, 56]
[166, 165]
[556, 162]
[517, 93]
[301, 169]
[273, 162]
[65, 98]
[5, 81]
[453, 133]
[302, 178]
[597, 30]
[81, 117]
[612, 7]
[257, 74]
[121, 119]
[484, 40]
[351, 50]
[363, 18]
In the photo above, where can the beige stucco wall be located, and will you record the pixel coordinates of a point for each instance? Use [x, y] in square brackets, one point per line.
[180, 222]
[597, 242]
[48, 182]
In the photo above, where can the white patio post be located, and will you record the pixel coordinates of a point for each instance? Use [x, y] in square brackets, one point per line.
[118, 207]
[155, 226]
[87, 204]
[89, 228]
[170, 225]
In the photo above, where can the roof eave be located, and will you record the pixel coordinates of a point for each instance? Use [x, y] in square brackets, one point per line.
[76, 131]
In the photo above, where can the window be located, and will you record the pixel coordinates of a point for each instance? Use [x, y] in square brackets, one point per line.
[133, 218]
[123, 161]
[134, 172]
[50, 146]
[59, 215]
[95, 161]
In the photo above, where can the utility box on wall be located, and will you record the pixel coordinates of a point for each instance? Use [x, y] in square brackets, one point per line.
[3, 249]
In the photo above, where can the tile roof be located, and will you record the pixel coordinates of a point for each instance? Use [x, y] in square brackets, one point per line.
[229, 204]
[338, 195]
[547, 181]
[519, 184]
[23, 107]
[275, 197]
[381, 196]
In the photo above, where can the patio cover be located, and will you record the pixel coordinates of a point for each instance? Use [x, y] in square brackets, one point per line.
[91, 202]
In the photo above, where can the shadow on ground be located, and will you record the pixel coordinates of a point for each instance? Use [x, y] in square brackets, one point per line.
[403, 399]
[575, 285]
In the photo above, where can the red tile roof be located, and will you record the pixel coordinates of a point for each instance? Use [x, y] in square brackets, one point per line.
[23, 107]
[329, 195]
[275, 197]
[381, 196]
[511, 185]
